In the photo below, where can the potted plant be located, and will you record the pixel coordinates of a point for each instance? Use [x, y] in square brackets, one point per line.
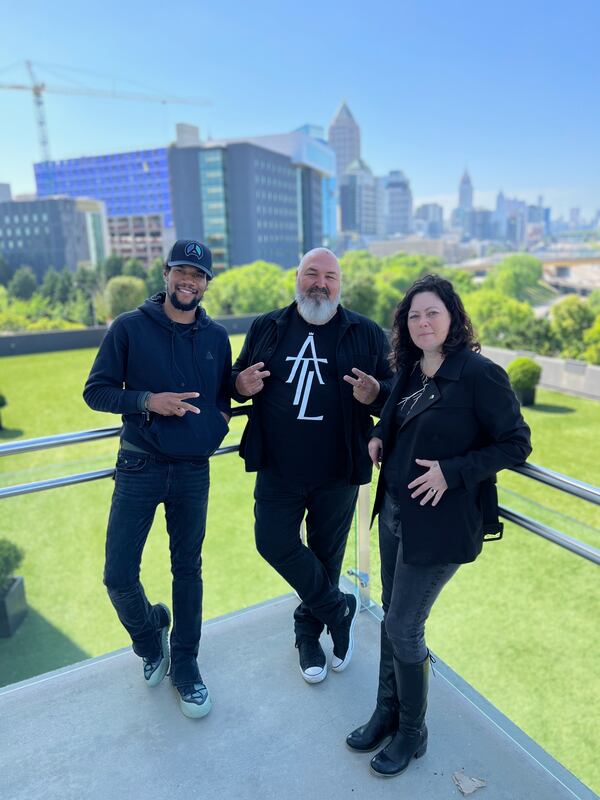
[13, 606]
[524, 375]
[3, 402]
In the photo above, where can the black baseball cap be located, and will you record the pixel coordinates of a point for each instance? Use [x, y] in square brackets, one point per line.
[191, 253]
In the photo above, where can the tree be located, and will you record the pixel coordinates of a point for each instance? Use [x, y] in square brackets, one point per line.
[155, 281]
[515, 276]
[593, 302]
[65, 286]
[22, 284]
[251, 288]
[6, 272]
[570, 318]
[49, 287]
[499, 320]
[134, 268]
[591, 340]
[124, 293]
[112, 267]
[360, 294]
[86, 280]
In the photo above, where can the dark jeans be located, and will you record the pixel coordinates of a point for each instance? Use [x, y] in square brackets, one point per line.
[313, 570]
[141, 483]
[408, 590]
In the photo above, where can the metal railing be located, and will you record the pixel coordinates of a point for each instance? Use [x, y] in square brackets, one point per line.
[79, 437]
[556, 480]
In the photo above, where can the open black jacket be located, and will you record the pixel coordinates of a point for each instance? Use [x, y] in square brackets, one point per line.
[361, 343]
[471, 423]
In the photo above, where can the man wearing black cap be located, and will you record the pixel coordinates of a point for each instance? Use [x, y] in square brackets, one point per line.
[165, 368]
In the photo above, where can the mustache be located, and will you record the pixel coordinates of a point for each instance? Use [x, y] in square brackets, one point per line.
[318, 290]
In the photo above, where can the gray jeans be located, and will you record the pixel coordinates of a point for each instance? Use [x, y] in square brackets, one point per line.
[408, 590]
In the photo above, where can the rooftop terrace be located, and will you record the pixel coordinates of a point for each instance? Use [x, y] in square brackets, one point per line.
[94, 730]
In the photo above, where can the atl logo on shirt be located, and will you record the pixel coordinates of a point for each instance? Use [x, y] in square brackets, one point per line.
[306, 367]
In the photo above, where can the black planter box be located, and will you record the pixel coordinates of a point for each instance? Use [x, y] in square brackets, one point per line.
[13, 607]
[526, 396]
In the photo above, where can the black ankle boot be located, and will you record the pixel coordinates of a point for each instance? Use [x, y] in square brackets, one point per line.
[411, 738]
[384, 720]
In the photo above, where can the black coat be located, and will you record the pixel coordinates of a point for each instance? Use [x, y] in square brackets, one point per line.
[471, 423]
[361, 343]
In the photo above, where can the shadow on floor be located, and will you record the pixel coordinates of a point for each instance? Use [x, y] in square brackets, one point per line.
[36, 647]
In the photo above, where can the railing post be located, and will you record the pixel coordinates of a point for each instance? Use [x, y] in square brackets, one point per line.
[363, 513]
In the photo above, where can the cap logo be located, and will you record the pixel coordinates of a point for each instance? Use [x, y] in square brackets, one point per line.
[193, 249]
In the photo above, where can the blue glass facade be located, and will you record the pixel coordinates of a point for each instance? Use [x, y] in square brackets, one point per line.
[128, 183]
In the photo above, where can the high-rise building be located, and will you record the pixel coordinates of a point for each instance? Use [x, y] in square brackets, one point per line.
[53, 232]
[344, 139]
[465, 192]
[397, 199]
[432, 217]
[238, 199]
[135, 188]
[358, 199]
[5, 193]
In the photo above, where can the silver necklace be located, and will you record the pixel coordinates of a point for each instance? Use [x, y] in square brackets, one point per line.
[414, 398]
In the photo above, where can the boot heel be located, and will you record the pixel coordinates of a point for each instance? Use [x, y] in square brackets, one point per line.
[422, 750]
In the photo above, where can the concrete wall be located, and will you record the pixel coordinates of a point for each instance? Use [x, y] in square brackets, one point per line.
[562, 375]
[20, 344]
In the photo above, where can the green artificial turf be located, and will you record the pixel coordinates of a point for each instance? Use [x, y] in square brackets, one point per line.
[518, 624]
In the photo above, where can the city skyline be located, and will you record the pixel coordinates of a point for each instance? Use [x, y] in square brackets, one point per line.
[433, 92]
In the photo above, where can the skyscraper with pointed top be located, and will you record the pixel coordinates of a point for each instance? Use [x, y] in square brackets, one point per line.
[465, 192]
[344, 139]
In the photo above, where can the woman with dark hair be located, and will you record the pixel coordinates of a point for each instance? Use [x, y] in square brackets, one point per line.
[450, 424]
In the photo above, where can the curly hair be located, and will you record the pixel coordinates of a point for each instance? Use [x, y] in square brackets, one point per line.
[403, 350]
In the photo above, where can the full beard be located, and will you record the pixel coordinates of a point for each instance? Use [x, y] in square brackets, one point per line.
[316, 308]
[193, 304]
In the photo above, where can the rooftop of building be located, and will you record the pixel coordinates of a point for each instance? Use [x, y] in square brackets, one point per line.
[94, 731]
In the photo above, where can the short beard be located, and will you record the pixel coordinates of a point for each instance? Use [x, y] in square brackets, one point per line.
[191, 306]
[316, 311]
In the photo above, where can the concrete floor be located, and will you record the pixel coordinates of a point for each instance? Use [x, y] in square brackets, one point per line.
[95, 731]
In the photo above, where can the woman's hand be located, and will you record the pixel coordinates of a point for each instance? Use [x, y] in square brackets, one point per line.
[376, 450]
[431, 484]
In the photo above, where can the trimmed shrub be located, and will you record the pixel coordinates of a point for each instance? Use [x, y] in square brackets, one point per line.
[524, 375]
[11, 558]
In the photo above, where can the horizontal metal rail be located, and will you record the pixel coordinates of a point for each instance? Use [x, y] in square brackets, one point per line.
[585, 491]
[82, 477]
[568, 542]
[77, 437]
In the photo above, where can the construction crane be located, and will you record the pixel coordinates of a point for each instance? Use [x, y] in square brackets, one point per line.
[38, 90]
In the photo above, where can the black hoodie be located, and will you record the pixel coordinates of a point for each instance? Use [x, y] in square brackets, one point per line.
[145, 351]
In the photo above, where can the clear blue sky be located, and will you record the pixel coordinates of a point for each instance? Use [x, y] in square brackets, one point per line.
[508, 89]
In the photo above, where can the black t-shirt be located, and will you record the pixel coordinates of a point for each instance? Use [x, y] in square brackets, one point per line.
[412, 397]
[301, 405]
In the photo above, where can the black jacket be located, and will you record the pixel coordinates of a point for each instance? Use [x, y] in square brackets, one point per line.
[361, 343]
[471, 423]
[145, 351]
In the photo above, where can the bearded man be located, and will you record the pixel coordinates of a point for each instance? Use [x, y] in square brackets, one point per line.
[165, 367]
[315, 372]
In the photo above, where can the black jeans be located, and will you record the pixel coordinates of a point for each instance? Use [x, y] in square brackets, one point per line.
[141, 483]
[313, 570]
[408, 590]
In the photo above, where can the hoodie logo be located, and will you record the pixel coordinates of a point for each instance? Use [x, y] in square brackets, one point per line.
[193, 249]
[209, 356]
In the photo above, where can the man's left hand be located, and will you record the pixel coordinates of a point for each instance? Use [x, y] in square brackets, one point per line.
[365, 388]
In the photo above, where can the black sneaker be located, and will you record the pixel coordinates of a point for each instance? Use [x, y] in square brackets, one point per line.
[155, 670]
[194, 699]
[313, 664]
[343, 636]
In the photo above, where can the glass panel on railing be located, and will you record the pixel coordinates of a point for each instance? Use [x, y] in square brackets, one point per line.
[62, 533]
[518, 623]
